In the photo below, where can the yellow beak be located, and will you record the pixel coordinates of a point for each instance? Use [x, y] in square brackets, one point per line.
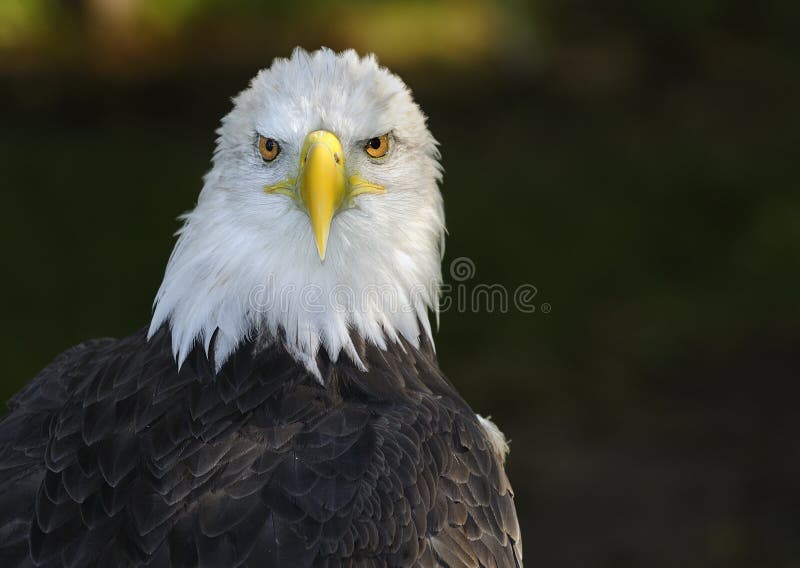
[322, 183]
[322, 186]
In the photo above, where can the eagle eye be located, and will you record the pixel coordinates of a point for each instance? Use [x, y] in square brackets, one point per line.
[378, 146]
[269, 148]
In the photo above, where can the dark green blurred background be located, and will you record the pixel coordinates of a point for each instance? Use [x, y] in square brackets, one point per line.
[636, 162]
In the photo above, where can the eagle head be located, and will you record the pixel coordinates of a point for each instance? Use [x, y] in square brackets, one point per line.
[321, 217]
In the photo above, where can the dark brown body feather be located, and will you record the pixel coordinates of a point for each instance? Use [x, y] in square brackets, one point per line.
[111, 457]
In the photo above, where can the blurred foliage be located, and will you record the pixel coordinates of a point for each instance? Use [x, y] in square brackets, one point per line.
[22, 20]
[104, 34]
[634, 161]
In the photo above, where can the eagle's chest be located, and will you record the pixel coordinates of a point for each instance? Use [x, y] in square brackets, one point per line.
[322, 478]
[348, 480]
[259, 461]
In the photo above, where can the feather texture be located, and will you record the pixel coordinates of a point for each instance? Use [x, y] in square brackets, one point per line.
[113, 457]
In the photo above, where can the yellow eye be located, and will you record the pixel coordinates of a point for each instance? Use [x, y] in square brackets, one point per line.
[378, 146]
[269, 148]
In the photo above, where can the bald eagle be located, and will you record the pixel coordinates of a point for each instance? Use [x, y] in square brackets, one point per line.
[285, 406]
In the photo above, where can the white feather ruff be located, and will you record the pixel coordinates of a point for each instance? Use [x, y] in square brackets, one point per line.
[245, 264]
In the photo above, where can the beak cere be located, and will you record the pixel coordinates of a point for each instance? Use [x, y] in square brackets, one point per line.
[322, 186]
[322, 183]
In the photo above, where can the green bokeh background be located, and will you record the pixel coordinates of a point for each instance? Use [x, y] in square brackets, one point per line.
[634, 162]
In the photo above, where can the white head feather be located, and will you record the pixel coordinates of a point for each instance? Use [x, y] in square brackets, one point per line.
[246, 265]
